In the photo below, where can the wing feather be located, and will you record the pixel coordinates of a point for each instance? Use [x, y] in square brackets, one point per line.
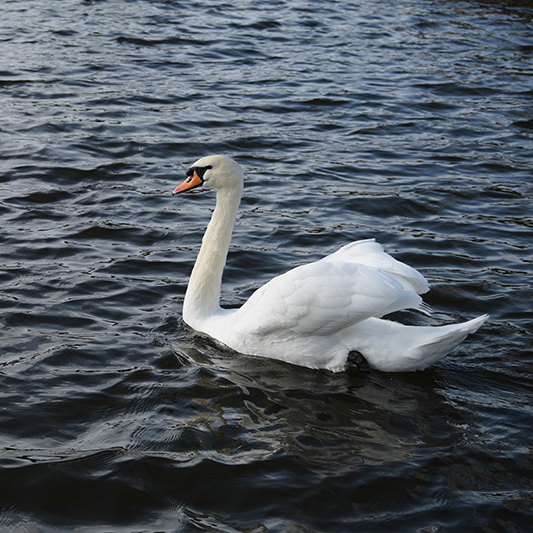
[329, 295]
[369, 252]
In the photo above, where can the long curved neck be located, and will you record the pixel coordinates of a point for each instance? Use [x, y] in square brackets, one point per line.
[203, 292]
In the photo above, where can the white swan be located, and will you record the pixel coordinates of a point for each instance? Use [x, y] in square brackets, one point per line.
[318, 314]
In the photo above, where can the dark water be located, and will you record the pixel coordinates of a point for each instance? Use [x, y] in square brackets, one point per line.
[408, 121]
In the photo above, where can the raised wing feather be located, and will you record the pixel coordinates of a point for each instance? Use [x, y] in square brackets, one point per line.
[369, 252]
[322, 298]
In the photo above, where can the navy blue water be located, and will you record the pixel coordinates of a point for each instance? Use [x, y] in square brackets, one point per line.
[408, 121]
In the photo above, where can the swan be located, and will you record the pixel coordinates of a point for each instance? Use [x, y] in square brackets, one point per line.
[318, 315]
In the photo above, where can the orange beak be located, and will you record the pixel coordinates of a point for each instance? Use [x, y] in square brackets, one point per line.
[190, 183]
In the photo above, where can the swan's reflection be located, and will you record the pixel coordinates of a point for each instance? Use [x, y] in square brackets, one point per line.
[351, 417]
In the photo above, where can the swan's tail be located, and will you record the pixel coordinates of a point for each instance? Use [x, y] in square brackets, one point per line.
[442, 340]
[393, 347]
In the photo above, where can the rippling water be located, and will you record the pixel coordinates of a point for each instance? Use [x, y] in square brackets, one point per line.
[408, 121]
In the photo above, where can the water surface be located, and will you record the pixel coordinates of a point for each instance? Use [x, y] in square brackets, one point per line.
[408, 121]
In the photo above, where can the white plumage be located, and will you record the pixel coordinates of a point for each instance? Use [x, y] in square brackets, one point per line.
[315, 314]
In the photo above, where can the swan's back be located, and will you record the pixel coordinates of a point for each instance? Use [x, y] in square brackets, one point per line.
[357, 282]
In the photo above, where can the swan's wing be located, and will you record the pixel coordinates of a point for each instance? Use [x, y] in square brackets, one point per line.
[322, 298]
[370, 253]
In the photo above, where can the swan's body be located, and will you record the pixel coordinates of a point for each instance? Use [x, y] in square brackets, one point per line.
[315, 314]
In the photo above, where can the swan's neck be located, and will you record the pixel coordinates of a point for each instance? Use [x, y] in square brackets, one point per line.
[203, 292]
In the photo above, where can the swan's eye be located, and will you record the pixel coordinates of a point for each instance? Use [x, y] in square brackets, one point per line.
[200, 171]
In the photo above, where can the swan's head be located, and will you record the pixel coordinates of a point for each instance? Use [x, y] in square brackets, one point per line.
[217, 171]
